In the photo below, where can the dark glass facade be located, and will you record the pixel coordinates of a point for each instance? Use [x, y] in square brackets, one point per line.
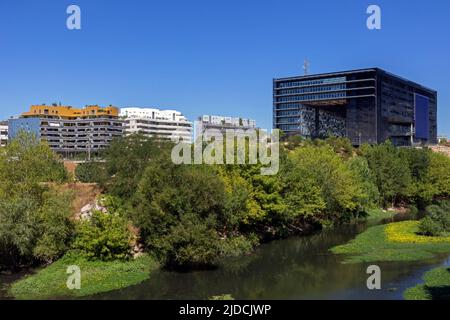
[367, 106]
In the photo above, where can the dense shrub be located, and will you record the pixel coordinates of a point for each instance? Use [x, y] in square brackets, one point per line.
[190, 242]
[104, 236]
[437, 222]
[430, 227]
[91, 172]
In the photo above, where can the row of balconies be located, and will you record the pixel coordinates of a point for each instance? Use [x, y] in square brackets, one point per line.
[51, 128]
[72, 134]
[82, 145]
[107, 138]
[77, 148]
[147, 131]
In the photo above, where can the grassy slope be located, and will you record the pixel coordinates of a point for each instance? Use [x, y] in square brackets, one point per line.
[436, 286]
[400, 243]
[96, 277]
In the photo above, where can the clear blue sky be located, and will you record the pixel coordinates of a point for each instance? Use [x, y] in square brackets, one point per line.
[212, 56]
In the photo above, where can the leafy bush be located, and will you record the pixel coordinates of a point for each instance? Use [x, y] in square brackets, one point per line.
[430, 227]
[437, 223]
[190, 243]
[91, 172]
[105, 236]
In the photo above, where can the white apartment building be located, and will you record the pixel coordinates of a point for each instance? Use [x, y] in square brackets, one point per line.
[152, 122]
[3, 133]
[222, 123]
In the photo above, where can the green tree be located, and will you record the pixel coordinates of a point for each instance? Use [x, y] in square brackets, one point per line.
[167, 193]
[370, 197]
[127, 158]
[418, 161]
[26, 161]
[438, 175]
[319, 185]
[55, 226]
[393, 177]
[18, 231]
[28, 229]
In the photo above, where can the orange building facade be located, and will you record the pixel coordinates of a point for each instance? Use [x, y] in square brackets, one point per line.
[68, 112]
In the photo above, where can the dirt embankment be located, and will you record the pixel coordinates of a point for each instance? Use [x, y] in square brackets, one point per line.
[83, 193]
[70, 166]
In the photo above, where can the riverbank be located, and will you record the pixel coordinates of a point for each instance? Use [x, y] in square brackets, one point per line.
[436, 286]
[378, 215]
[392, 242]
[96, 277]
[100, 277]
[400, 242]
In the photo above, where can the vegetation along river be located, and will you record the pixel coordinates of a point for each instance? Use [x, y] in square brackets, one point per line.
[295, 268]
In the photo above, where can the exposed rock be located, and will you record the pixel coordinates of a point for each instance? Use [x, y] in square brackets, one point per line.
[138, 250]
[87, 210]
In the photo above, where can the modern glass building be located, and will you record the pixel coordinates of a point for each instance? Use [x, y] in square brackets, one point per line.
[367, 106]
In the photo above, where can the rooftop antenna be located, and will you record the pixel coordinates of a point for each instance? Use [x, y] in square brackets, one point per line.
[306, 67]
